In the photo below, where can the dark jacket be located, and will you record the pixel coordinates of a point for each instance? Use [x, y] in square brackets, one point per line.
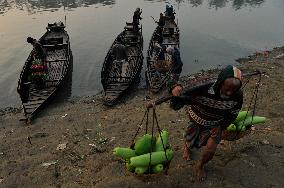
[207, 107]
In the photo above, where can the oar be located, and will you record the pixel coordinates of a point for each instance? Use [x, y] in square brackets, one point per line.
[189, 89]
[154, 19]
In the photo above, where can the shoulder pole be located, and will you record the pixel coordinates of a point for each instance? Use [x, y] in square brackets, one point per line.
[190, 88]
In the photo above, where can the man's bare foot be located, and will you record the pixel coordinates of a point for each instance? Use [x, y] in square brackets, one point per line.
[200, 172]
[186, 153]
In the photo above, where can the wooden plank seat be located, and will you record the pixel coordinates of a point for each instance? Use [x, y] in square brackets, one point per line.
[130, 36]
[170, 33]
[33, 102]
[129, 28]
[55, 80]
[118, 84]
[112, 89]
[32, 106]
[37, 98]
[56, 60]
[170, 43]
[133, 43]
[27, 83]
[40, 95]
[129, 23]
[53, 38]
[53, 45]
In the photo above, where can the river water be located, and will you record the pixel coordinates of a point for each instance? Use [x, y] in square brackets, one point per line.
[213, 33]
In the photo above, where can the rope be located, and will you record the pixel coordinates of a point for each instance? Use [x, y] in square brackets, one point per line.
[246, 83]
[153, 125]
[159, 130]
[139, 127]
[164, 147]
[254, 98]
[147, 121]
[256, 92]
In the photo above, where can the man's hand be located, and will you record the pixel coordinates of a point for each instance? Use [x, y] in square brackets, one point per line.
[150, 104]
[177, 90]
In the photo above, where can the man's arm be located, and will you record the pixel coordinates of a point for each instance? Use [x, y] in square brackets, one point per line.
[177, 103]
[187, 94]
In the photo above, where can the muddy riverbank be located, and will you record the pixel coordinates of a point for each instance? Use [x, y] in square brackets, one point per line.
[70, 144]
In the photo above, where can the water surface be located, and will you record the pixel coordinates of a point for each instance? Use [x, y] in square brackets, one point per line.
[213, 33]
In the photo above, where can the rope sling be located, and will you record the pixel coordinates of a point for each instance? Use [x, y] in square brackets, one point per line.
[155, 123]
[253, 102]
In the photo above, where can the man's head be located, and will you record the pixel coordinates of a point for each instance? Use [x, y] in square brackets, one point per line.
[228, 82]
[137, 10]
[30, 40]
[229, 87]
[161, 15]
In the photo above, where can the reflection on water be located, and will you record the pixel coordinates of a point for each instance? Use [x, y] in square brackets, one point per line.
[213, 33]
[215, 4]
[236, 4]
[33, 6]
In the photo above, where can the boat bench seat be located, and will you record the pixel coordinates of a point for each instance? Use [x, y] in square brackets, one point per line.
[128, 27]
[27, 83]
[55, 80]
[129, 23]
[53, 40]
[169, 43]
[130, 36]
[49, 61]
[53, 45]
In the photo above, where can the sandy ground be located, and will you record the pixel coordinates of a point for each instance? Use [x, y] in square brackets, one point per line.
[30, 156]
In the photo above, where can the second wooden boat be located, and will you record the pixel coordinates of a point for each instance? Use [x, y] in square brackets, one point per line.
[166, 36]
[115, 82]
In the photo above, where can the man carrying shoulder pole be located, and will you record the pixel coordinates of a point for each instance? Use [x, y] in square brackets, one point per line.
[212, 107]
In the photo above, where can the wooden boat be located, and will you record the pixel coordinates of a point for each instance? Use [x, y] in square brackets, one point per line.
[114, 82]
[58, 64]
[157, 78]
